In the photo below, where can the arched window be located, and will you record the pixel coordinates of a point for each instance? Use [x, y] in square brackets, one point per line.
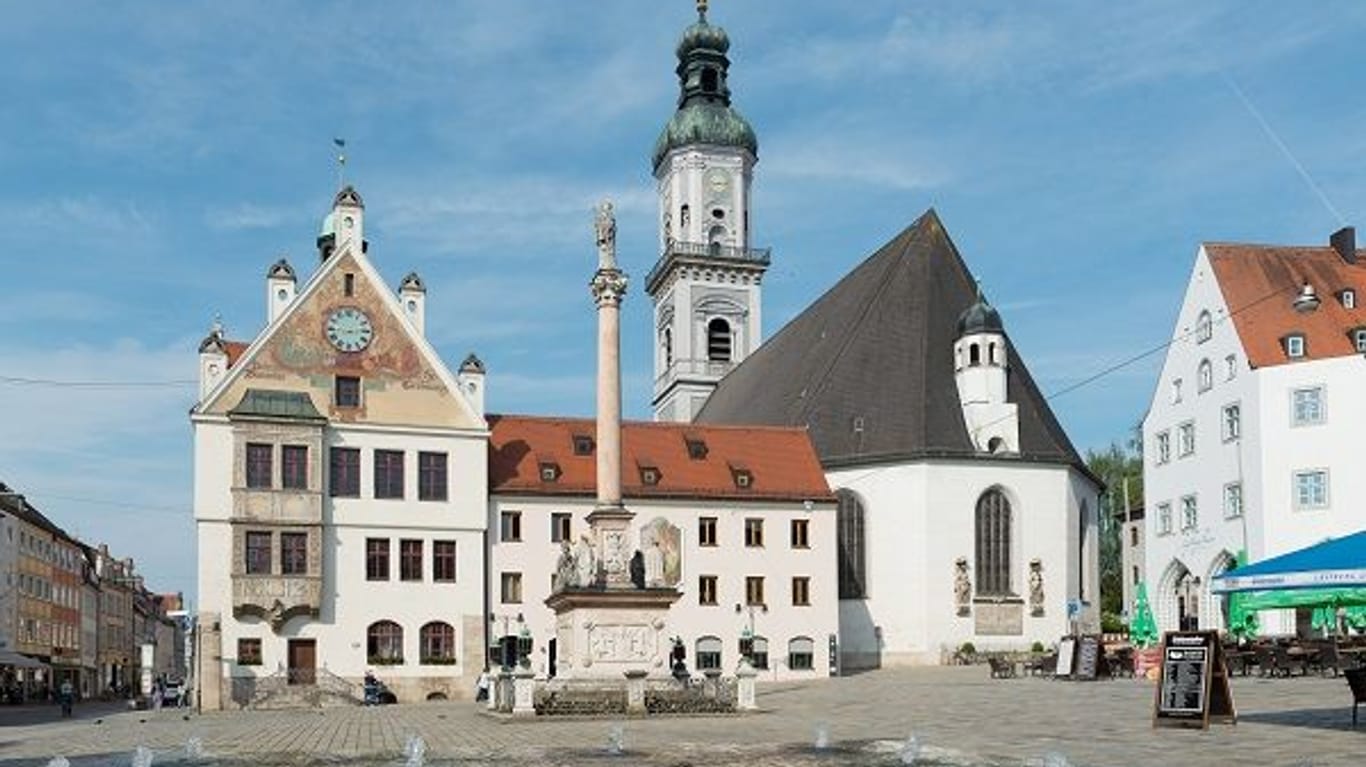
[384, 643]
[718, 340]
[1204, 328]
[849, 518]
[437, 643]
[716, 237]
[974, 355]
[708, 653]
[1206, 375]
[993, 545]
[668, 347]
[1083, 520]
[991, 354]
[801, 653]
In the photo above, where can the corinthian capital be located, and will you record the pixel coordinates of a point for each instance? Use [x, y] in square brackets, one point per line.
[608, 287]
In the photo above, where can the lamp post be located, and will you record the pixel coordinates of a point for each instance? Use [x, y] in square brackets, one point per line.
[504, 660]
[747, 633]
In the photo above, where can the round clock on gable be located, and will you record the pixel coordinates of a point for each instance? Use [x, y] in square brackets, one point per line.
[349, 329]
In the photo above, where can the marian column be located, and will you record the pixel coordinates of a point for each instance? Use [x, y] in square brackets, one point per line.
[609, 520]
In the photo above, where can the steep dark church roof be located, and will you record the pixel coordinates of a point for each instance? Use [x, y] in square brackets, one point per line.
[868, 367]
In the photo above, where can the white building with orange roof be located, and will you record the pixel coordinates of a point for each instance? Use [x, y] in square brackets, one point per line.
[1249, 436]
[742, 518]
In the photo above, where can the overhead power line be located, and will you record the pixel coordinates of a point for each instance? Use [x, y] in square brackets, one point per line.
[24, 381]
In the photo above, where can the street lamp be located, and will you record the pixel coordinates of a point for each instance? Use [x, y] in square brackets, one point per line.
[747, 633]
[507, 652]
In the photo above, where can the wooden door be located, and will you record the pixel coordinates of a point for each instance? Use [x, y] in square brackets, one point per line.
[302, 661]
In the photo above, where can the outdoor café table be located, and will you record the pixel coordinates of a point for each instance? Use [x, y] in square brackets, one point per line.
[1357, 654]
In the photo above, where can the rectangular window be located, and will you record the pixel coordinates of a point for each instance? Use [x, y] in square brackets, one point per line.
[512, 588]
[510, 527]
[294, 553]
[1133, 537]
[1176, 391]
[560, 523]
[443, 561]
[1233, 500]
[376, 559]
[1233, 422]
[1164, 519]
[1294, 346]
[801, 591]
[754, 590]
[431, 476]
[1136, 575]
[754, 532]
[1231, 366]
[344, 480]
[248, 652]
[800, 534]
[706, 589]
[706, 531]
[409, 560]
[1190, 515]
[258, 464]
[1164, 447]
[1185, 439]
[1311, 489]
[294, 467]
[1307, 406]
[258, 553]
[708, 653]
[389, 474]
[346, 392]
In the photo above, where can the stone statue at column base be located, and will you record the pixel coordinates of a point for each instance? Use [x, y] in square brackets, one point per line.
[962, 587]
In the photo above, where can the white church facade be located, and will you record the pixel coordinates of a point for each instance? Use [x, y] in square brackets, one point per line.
[1248, 437]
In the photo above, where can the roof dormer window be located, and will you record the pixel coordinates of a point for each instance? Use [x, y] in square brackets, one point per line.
[744, 480]
[1359, 340]
[697, 448]
[583, 444]
[649, 475]
[550, 471]
[1348, 298]
[1295, 346]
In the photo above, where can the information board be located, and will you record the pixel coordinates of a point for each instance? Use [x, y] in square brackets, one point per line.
[1192, 688]
[1090, 654]
[1067, 652]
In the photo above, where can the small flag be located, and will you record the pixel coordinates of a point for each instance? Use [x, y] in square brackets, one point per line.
[341, 143]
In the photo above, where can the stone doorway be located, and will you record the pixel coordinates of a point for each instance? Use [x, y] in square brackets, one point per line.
[303, 661]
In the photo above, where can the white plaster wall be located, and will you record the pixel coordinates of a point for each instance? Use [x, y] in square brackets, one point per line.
[350, 602]
[920, 518]
[730, 560]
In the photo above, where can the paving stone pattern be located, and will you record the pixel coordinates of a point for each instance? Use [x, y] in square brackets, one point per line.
[960, 715]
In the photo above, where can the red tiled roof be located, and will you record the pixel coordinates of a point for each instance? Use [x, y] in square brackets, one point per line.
[235, 350]
[781, 460]
[1259, 284]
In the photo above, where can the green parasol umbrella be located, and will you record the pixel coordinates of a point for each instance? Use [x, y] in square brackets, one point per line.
[1142, 629]
[1242, 621]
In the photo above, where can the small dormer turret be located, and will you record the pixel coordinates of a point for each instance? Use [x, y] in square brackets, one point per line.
[471, 379]
[412, 293]
[344, 225]
[281, 287]
[981, 368]
[213, 359]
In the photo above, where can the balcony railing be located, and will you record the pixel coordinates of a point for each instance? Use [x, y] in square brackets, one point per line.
[712, 252]
[683, 368]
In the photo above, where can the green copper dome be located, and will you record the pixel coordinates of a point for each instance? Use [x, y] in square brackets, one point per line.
[704, 115]
[712, 123]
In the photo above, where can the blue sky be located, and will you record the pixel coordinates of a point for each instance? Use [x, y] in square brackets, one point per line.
[156, 157]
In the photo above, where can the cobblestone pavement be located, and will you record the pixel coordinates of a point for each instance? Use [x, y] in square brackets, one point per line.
[959, 715]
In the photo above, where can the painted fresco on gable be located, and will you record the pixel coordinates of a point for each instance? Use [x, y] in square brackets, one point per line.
[399, 385]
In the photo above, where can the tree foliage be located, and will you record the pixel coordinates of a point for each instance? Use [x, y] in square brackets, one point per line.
[1118, 466]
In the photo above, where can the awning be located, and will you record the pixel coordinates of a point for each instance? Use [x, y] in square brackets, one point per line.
[1337, 563]
[11, 658]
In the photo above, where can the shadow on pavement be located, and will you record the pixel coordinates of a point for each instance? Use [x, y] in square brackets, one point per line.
[1335, 718]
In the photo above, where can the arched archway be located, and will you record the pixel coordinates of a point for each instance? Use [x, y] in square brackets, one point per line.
[851, 551]
[1215, 609]
[1173, 598]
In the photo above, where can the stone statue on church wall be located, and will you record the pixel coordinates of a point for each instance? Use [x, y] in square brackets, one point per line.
[606, 229]
[654, 566]
[1035, 587]
[962, 586]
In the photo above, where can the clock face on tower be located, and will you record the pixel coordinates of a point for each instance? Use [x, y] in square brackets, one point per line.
[718, 182]
[349, 329]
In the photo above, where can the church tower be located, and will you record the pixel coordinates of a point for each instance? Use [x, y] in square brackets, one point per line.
[705, 286]
[980, 368]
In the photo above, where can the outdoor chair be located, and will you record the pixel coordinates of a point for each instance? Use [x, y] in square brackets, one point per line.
[1286, 663]
[1329, 658]
[1266, 661]
[1001, 668]
[1124, 662]
[1356, 680]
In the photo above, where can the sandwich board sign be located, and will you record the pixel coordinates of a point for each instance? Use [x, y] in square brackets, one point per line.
[1192, 686]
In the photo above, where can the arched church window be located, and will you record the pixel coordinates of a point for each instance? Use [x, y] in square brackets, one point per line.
[684, 218]
[974, 355]
[668, 347]
[991, 354]
[1206, 375]
[993, 544]
[1204, 328]
[709, 80]
[718, 340]
[849, 539]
